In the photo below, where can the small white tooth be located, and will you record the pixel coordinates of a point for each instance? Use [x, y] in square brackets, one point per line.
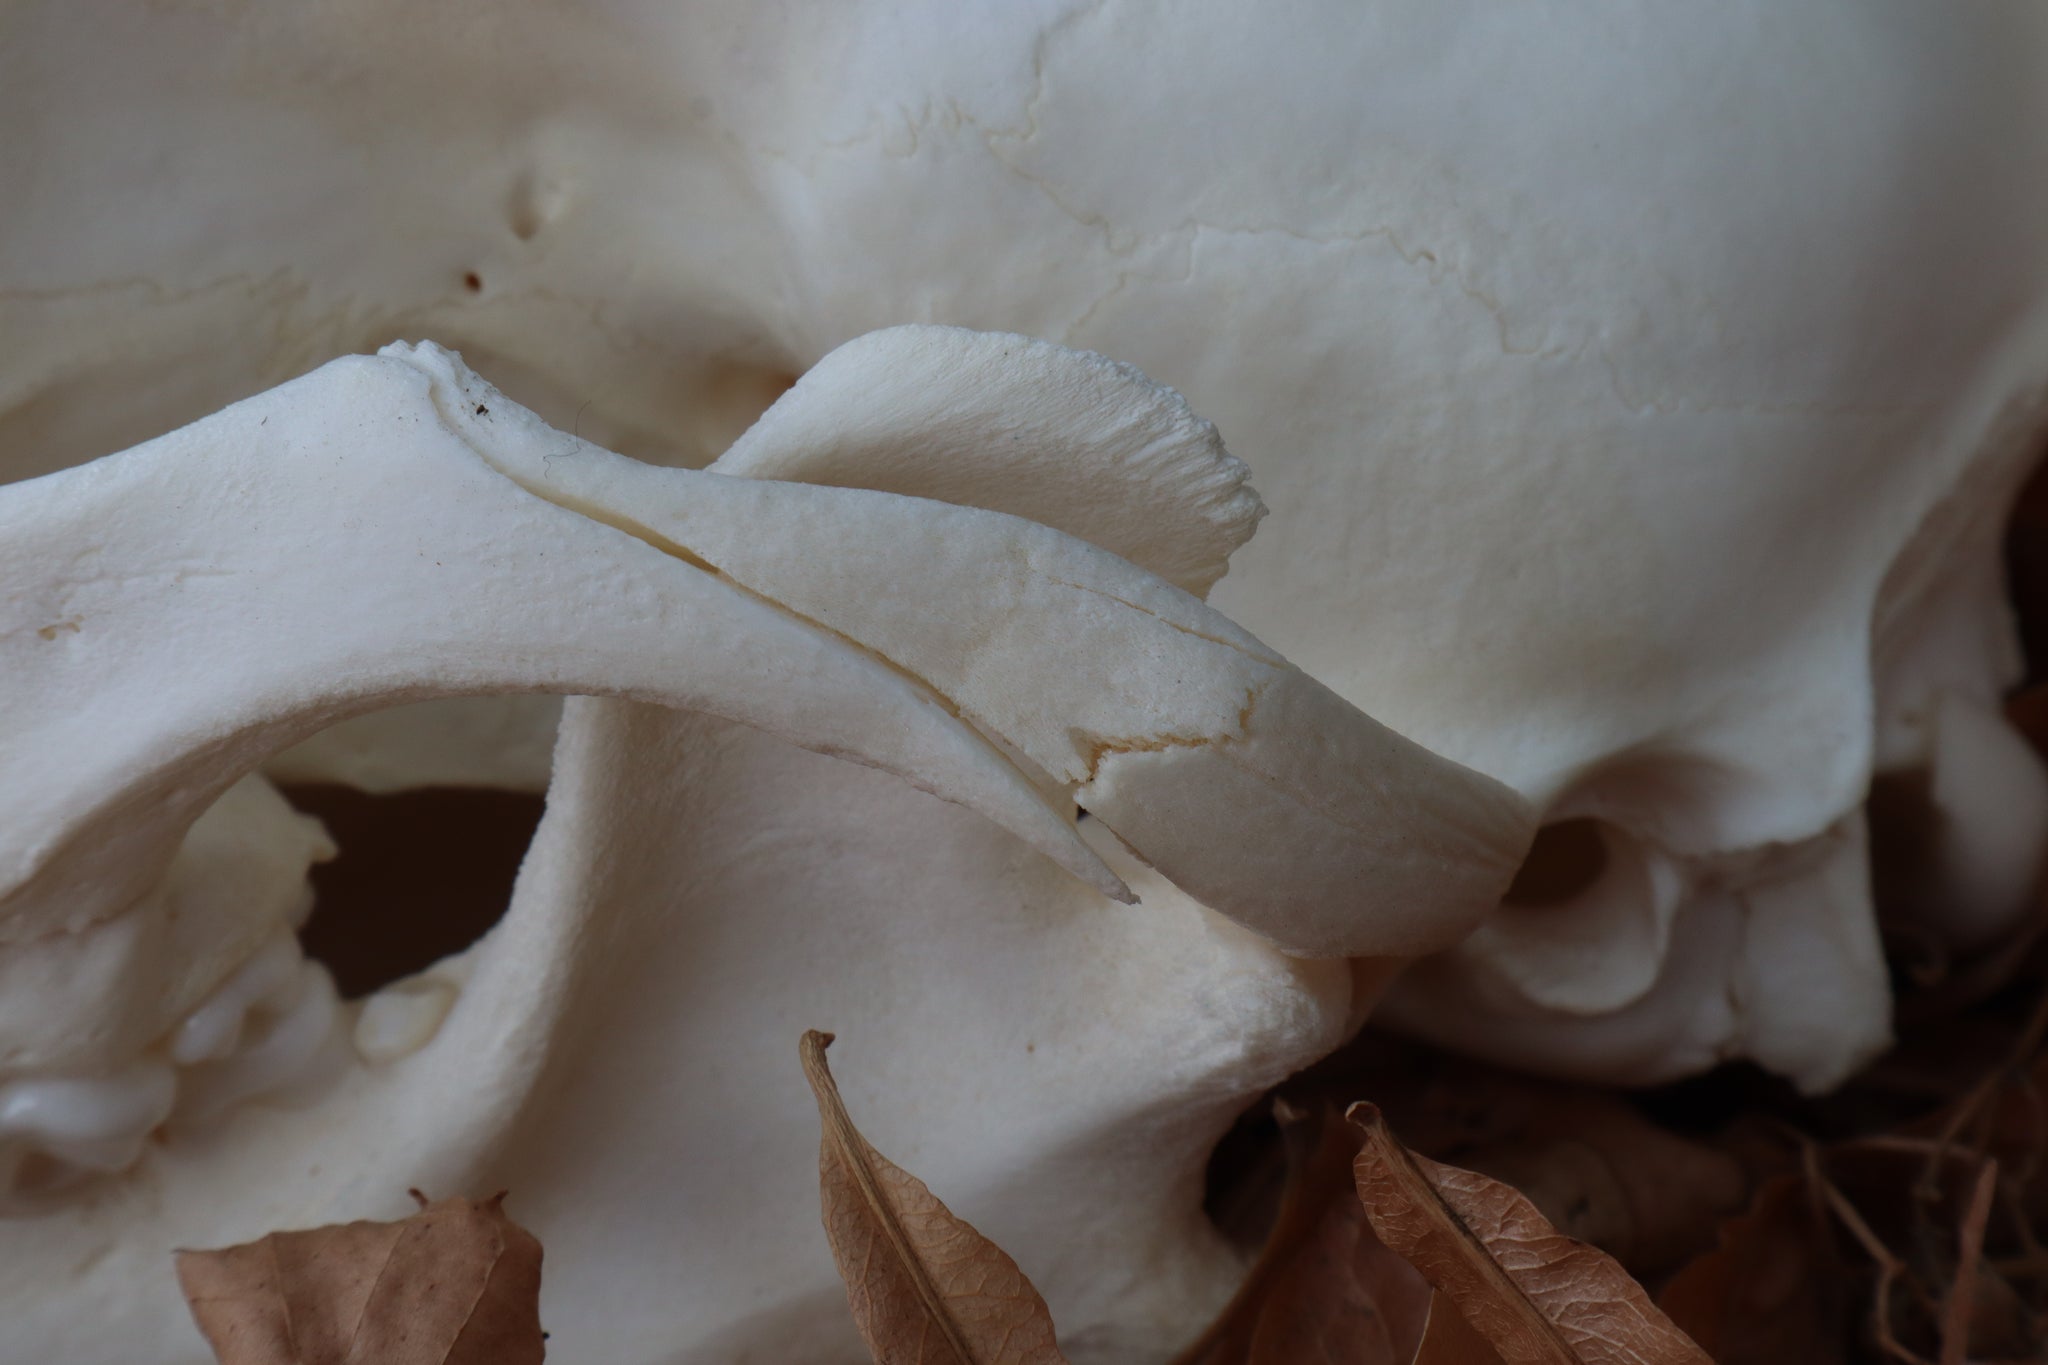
[213, 1030]
[303, 1019]
[402, 1018]
[97, 1122]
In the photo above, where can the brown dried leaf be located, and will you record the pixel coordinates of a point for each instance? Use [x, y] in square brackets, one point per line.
[1539, 1297]
[1325, 1290]
[1590, 1162]
[1765, 1294]
[458, 1283]
[1448, 1339]
[925, 1287]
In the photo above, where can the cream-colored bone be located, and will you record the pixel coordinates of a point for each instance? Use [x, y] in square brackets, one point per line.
[877, 616]
[1770, 955]
[1618, 387]
[190, 585]
[1011, 424]
[317, 492]
[1162, 716]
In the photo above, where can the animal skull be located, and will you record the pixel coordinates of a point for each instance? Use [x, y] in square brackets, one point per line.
[1636, 400]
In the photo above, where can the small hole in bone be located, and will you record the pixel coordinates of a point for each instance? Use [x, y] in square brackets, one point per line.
[421, 874]
[473, 282]
[1565, 861]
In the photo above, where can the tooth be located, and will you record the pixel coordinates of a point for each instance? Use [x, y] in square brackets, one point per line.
[98, 1123]
[403, 1018]
[271, 1029]
[304, 1018]
[212, 1031]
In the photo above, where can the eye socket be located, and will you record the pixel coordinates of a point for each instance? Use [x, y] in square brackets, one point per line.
[421, 874]
[1567, 859]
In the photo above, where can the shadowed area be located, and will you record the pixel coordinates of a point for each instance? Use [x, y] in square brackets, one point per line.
[421, 874]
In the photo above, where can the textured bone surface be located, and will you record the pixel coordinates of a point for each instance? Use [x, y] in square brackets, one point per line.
[392, 527]
[1635, 402]
[1636, 398]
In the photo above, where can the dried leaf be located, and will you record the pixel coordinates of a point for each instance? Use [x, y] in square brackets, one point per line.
[1339, 1302]
[1325, 1290]
[1539, 1297]
[925, 1287]
[1764, 1294]
[1588, 1160]
[1447, 1339]
[458, 1283]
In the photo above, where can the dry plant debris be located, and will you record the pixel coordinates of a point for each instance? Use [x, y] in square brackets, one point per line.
[925, 1287]
[1377, 1257]
[1723, 1220]
[1536, 1295]
[458, 1283]
[1899, 1221]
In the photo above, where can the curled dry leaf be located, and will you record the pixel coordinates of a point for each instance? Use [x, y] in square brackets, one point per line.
[925, 1287]
[1325, 1289]
[458, 1283]
[1539, 1297]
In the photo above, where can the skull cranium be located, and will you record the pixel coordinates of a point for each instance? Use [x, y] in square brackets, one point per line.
[1635, 408]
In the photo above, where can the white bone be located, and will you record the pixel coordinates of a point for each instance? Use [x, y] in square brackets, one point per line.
[394, 527]
[1637, 399]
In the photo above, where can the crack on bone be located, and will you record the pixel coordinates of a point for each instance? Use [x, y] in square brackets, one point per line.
[676, 550]
[1093, 752]
[1098, 750]
[1272, 660]
[456, 412]
[1036, 776]
[454, 409]
[1124, 242]
[455, 416]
